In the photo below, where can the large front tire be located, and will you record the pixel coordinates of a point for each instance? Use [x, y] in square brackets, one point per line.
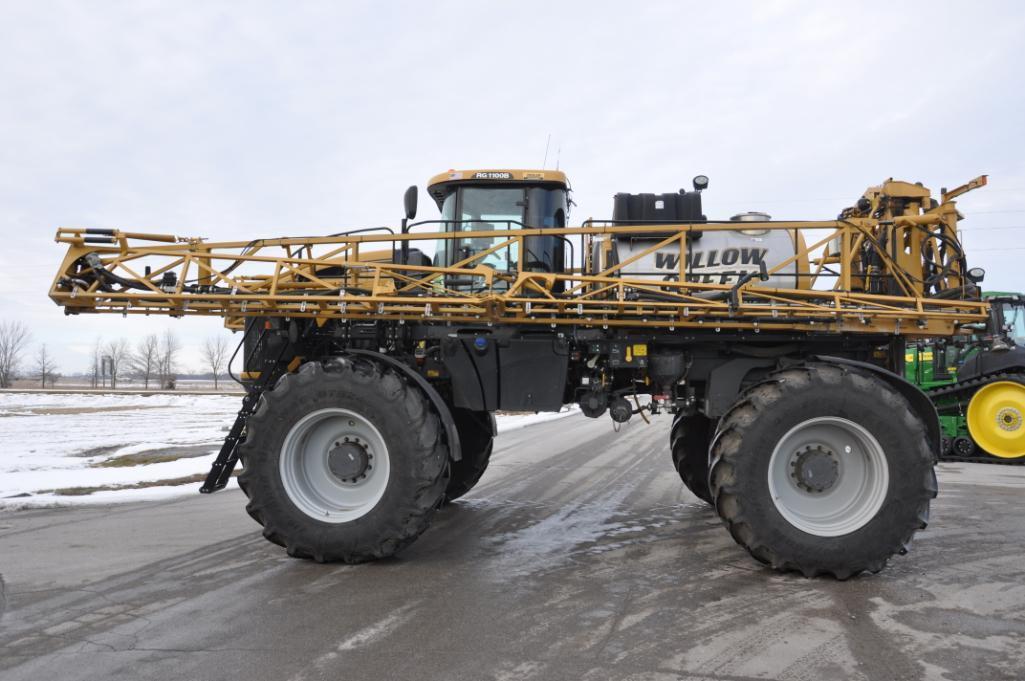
[823, 469]
[344, 461]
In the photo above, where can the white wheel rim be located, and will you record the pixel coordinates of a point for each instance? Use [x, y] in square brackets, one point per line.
[314, 485]
[828, 476]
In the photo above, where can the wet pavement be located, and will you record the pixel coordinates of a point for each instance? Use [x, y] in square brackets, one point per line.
[579, 556]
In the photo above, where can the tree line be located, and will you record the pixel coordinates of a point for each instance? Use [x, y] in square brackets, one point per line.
[153, 359]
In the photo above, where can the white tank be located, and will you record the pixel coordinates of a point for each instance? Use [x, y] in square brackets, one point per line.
[718, 257]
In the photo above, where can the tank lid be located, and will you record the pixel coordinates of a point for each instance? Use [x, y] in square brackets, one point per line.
[751, 216]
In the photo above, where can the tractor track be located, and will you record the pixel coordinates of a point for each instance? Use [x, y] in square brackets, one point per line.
[965, 390]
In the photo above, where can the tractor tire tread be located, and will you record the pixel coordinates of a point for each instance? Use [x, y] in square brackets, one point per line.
[726, 451]
[688, 443]
[477, 439]
[396, 531]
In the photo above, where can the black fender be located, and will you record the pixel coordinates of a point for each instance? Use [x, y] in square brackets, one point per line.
[455, 450]
[724, 382]
[918, 400]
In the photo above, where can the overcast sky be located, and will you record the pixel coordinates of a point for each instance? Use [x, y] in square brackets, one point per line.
[238, 120]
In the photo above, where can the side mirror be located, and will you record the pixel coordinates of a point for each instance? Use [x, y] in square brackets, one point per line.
[409, 201]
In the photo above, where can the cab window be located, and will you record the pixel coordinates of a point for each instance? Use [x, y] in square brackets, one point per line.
[482, 209]
[1014, 318]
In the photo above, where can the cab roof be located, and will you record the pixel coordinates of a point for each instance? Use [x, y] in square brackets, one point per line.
[441, 184]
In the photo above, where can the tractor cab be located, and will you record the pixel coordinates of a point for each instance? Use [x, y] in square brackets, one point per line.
[997, 345]
[1007, 315]
[496, 203]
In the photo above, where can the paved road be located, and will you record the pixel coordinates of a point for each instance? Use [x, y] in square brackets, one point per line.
[579, 556]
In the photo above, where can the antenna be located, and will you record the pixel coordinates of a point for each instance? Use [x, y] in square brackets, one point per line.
[547, 143]
[558, 155]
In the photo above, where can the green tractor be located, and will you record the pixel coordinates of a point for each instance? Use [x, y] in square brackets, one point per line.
[978, 385]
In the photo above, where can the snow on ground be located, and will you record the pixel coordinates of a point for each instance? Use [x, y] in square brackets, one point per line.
[507, 422]
[52, 443]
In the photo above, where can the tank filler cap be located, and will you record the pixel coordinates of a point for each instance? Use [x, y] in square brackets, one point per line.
[752, 216]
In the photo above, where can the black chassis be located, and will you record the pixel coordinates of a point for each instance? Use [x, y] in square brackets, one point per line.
[531, 368]
[482, 368]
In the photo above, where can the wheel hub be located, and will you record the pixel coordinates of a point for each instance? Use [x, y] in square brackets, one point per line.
[815, 469]
[349, 460]
[334, 464]
[996, 419]
[1009, 419]
[828, 476]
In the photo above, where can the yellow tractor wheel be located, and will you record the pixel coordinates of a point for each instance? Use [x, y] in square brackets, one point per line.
[996, 419]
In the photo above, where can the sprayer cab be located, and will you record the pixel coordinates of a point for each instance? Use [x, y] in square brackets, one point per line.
[489, 204]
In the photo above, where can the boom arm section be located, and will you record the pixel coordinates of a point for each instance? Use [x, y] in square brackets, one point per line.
[891, 263]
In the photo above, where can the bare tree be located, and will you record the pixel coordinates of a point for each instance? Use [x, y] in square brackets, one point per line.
[97, 368]
[145, 361]
[14, 336]
[167, 362]
[116, 353]
[215, 351]
[46, 368]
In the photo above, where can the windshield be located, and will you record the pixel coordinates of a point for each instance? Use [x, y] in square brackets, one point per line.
[1014, 319]
[482, 209]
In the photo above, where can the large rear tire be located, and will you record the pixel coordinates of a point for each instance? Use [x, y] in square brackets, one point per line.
[344, 461]
[476, 438]
[689, 440]
[823, 469]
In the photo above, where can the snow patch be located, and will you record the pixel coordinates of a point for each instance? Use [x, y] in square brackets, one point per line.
[54, 441]
[507, 422]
